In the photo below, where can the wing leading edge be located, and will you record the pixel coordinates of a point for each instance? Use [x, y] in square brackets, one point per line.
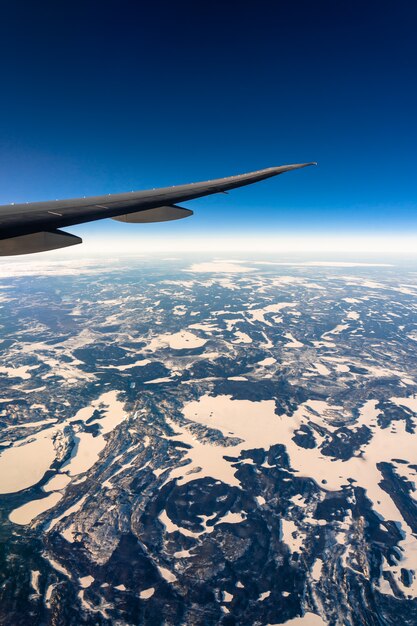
[33, 227]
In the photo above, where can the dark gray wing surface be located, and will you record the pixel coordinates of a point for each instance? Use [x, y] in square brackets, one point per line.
[18, 222]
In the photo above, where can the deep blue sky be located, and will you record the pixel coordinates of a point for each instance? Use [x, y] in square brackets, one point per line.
[100, 97]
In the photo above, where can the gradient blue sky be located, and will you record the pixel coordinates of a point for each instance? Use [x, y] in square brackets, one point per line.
[101, 97]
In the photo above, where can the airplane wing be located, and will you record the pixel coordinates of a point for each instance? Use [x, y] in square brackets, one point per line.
[34, 226]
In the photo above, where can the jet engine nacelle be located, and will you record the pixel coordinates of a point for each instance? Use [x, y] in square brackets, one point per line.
[37, 242]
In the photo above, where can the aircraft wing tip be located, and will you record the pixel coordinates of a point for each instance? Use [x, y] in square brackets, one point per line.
[298, 165]
[293, 166]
